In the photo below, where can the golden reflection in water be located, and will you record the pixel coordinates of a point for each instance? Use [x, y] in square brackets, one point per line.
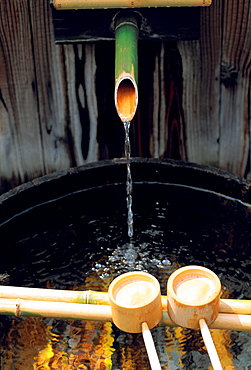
[32, 345]
[44, 344]
[222, 342]
[42, 360]
[174, 348]
[182, 342]
[84, 345]
[130, 352]
[24, 339]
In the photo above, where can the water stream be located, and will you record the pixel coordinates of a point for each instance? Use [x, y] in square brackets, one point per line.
[130, 254]
[128, 180]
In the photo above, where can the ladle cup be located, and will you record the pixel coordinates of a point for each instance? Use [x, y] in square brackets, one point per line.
[136, 306]
[135, 298]
[193, 295]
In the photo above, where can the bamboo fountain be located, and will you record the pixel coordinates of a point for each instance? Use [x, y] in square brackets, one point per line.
[172, 309]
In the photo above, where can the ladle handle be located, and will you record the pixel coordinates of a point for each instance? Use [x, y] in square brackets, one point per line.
[150, 347]
[212, 353]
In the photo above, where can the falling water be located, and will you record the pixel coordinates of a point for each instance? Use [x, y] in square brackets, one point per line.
[130, 256]
[128, 181]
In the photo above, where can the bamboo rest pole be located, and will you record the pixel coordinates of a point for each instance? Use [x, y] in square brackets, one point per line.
[19, 307]
[232, 306]
[64, 310]
[91, 4]
[54, 295]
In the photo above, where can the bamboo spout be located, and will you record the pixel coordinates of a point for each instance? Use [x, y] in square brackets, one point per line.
[126, 65]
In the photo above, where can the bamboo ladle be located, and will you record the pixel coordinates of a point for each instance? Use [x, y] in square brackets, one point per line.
[193, 302]
[136, 307]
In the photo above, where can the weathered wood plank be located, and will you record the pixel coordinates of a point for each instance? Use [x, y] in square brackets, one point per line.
[216, 94]
[18, 96]
[80, 71]
[201, 88]
[167, 138]
[235, 118]
[49, 89]
[32, 122]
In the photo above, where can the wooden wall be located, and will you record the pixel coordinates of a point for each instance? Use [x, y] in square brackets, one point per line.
[56, 101]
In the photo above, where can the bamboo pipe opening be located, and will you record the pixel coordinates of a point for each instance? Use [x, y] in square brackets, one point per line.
[126, 64]
[126, 98]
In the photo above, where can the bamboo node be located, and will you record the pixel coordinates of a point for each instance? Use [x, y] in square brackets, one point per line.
[18, 308]
[128, 23]
[86, 294]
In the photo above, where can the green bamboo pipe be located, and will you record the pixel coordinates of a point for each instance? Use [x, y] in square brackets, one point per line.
[91, 4]
[126, 65]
